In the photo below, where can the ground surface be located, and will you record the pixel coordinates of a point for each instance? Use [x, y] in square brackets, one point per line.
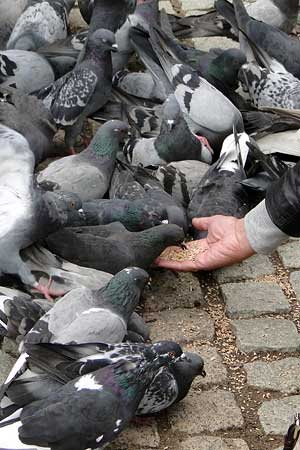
[245, 323]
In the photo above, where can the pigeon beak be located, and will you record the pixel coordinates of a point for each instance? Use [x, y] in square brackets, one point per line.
[171, 124]
[114, 48]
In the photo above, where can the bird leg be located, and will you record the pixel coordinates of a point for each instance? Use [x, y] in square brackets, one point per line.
[86, 140]
[71, 151]
[47, 291]
[204, 142]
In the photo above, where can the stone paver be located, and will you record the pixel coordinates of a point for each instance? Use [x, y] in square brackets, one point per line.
[203, 5]
[182, 325]
[290, 254]
[263, 335]
[212, 443]
[282, 376]
[169, 291]
[277, 415]
[251, 268]
[6, 363]
[138, 436]
[210, 411]
[10, 347]
[204, 43]
[216, 372]
[167, 6]
[244, 300]
[295, 281]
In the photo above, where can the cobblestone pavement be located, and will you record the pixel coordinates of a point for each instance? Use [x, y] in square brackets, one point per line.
[245, 323]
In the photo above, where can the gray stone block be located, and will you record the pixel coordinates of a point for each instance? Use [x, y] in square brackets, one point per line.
[263, 335]
[282, 376]
[182, 325]
[6, 364]
[216, 372]
[212, 443]
[170, 292]
[290, 254]
[244, 300]
[206, 43]
[138, 436]
[277, 415]
[295, 281]
[209, 411]
[251, 268]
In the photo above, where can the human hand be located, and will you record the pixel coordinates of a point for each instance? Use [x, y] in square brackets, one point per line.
[226, 244]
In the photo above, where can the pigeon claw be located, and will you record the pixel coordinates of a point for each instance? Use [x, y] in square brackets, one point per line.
[48, 293]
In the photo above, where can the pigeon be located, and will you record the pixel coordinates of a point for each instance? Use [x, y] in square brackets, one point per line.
[291, 439]
[85, 315]
[220, 190]
[133, 183]
[207, 111]
[260, 123]
[42, 22]
[270, 87]
[140, 84]
[81, 92]
[27, 115]
[28, 213]
[175, 142]
[25, 70]
[171, 384]
[110, 15]
[9, 13]
[88, 173]
[281, 14]
[49, 366]
[181, 178]
[263, 37]
[109, 396]
[98, 248]
[134, 215]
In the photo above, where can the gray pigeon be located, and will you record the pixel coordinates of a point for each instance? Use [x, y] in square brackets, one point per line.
[9, 14]
[207, 111]
[28, 115]
[281, 14]
[84, 315]
[81, 92]
[272, 87]
[88, 174]
[175, 141]
[25, 70]
[104, 248]
[28, 214]
[262, 36]
[41, 23]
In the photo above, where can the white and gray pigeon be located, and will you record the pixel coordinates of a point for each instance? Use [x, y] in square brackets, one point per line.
[85, 315]
[88, 174]
[28, 115]
[207, 111]
[42, 22]
[27, 213]
[25, 70]
[81, 92]
[271, 87]
[175, 141]
[9, 14]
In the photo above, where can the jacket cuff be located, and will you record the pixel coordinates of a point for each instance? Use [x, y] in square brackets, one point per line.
[263, 235]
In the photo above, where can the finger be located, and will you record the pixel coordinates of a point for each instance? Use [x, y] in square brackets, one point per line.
[180, 266]
[201, 223]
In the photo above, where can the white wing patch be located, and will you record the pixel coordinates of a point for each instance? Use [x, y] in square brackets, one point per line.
[88, 382]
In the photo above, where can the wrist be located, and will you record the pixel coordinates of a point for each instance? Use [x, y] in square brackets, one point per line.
[242, 238]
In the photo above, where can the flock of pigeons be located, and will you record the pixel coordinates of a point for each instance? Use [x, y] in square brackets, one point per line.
[178, 141]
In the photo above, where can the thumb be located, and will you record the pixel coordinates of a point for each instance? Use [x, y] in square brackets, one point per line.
[201, 223]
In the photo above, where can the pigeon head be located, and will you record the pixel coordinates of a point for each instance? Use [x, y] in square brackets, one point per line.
[226, 66]
[108, 138]
[123, 291]
[185, 368]
[171, 113]
[164, 235]
[140, 216]
[63, 206]
[103, 40]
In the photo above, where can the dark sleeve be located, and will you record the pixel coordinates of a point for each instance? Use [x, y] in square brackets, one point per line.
[283, 202]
